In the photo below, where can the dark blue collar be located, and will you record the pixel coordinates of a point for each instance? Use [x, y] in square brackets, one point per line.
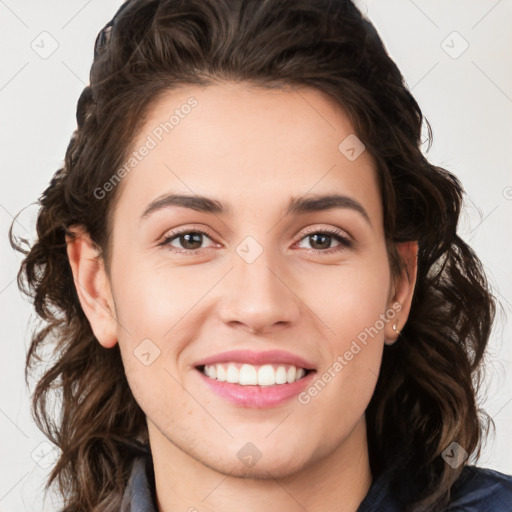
[476, 490]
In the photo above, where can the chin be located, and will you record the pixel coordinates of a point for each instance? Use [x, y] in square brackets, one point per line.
[275, 464]
[260, 471]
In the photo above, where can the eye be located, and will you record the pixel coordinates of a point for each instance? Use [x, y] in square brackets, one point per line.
[189, 240]
[323, 239]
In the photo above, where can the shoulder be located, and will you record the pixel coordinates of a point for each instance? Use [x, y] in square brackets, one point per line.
[475, 490]
[139, 494]
[480, 490]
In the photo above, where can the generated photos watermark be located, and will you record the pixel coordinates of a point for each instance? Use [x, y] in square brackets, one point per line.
[152, 140]
[343, 360]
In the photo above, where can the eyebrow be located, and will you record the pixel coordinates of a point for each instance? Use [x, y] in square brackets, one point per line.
[298, 205]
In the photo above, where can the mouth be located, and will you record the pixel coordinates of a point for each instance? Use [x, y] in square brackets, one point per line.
[251, 379]
[254, 375]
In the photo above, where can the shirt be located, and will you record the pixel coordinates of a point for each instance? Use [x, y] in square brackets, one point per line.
[476, 490]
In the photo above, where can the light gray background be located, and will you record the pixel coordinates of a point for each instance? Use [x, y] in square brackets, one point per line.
[467, 98]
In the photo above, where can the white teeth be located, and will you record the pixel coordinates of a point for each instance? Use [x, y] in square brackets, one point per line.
[221, 373]
[266, 375]
[281, 375]
[250, 375]
[232, 374]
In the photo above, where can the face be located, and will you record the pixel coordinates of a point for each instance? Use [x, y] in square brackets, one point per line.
[302, 287]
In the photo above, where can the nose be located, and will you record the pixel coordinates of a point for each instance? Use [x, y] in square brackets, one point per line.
[258, 296]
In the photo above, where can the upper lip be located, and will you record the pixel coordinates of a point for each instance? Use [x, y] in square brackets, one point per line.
[257, 358]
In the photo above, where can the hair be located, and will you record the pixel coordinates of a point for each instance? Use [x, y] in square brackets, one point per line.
[426, 393]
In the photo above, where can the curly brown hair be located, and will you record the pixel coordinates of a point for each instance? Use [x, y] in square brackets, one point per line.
[426, 394]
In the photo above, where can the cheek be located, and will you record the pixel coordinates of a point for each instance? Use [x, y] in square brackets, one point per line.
[349, 297]
[351, 301]
[157, 311]
[152, 301]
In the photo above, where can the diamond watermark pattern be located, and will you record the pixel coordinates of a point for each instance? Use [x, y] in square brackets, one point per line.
[146, 352]
[351, 147]
[454, 455]
[249, 454]
[45, 455]
[45, 45]
[454, 45]
[249, 249]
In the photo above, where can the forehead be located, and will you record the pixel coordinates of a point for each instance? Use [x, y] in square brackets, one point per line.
[251, 148]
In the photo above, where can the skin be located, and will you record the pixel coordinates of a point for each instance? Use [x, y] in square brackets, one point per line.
[252, 149]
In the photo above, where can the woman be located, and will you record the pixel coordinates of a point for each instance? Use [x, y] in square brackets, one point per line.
[253, 275]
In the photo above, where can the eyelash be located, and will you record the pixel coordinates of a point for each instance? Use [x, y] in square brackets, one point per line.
[338, 235]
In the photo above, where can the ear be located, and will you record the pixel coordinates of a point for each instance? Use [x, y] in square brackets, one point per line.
[92, 285]
[402, 290]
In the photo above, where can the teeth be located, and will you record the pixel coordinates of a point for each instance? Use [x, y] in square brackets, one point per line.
[291, 373]
[281, 375]
[232, 374]
[250, 375]
[266, 375]
[221, 373]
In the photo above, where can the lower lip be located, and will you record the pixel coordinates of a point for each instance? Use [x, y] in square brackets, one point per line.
[258, 397]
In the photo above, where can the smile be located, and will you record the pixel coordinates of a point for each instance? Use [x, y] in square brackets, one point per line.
[248, 378]
[253, 375]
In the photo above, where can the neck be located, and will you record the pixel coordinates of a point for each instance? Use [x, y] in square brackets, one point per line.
[337, 482]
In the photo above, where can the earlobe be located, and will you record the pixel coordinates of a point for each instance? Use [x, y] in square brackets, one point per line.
[92, 286]
[403, 290]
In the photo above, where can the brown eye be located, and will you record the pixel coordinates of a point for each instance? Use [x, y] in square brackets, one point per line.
[185, 241]
[190, 241]
[320, 241]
